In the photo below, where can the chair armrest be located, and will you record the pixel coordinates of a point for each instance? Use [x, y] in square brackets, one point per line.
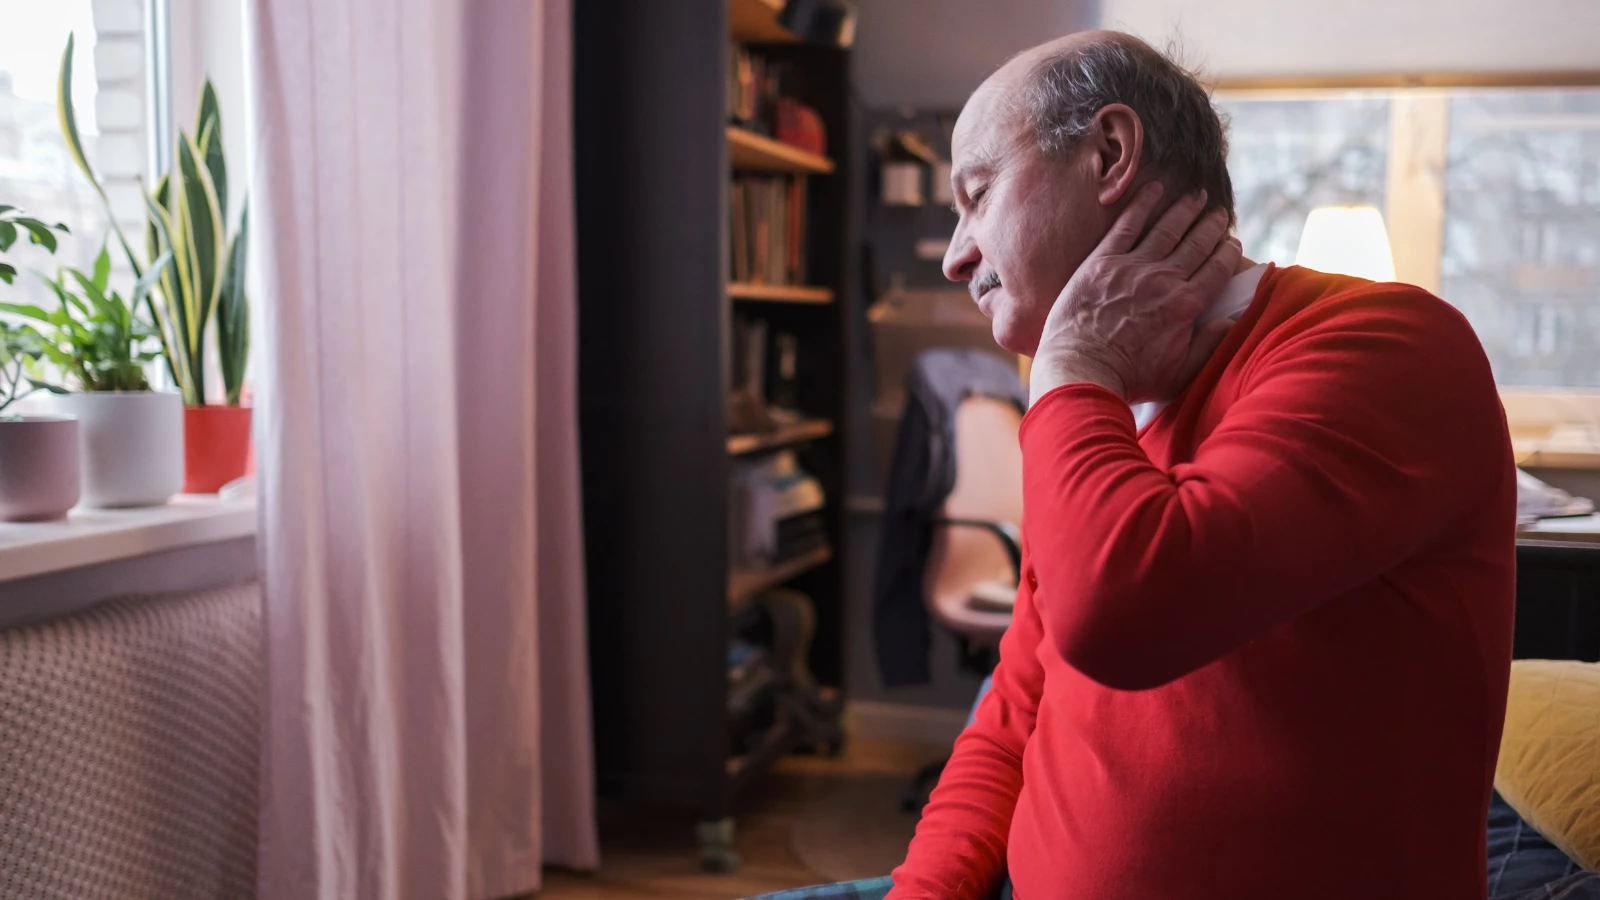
[1005, 531]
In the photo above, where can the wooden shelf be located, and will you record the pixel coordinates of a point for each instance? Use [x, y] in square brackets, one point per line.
[756, 22]
[779, 293]
[798, 433]
[750, 152]
[743, 585]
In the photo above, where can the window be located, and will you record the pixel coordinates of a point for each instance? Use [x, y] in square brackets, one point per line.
[1288, 156]
[36, 171]
[1491, 196]
[1522, 230]
[129, 108]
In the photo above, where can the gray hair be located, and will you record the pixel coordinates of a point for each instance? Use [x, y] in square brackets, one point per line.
[1185, 137]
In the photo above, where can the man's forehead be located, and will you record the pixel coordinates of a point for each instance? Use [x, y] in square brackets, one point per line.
[980, 129]
[992, 115]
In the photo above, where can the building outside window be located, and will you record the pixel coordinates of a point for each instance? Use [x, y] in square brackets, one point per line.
[36, 171]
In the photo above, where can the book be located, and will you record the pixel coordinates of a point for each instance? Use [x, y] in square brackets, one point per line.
[796, 214]
[767, 229]
[739, 232]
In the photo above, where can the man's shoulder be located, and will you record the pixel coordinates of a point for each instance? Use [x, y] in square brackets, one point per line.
[1303, 300]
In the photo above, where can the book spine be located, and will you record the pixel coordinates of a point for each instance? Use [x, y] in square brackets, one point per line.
[763, 232]
[739, 231]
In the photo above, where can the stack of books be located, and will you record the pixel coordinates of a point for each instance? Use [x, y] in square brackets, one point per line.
[775, 511]
[753, 88]
[767, 228]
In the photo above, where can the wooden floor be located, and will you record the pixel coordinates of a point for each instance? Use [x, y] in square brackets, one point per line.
[652, 854]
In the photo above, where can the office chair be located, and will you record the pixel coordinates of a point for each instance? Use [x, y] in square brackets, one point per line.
[975, 562]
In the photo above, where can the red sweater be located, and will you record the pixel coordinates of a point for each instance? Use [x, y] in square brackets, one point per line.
[1261, 648]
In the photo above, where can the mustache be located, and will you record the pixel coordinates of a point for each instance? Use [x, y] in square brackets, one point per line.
[985, 282]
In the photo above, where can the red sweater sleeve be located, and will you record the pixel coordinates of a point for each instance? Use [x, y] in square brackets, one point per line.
[1365, 429]
[960, 848]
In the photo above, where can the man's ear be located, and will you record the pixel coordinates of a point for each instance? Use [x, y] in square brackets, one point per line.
[1117, 144]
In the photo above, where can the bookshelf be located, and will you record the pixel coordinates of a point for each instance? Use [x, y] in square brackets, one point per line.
[656, 153]
[742, 585]
[779, 293]
[787, 436]
[751, 152]
[756, 22]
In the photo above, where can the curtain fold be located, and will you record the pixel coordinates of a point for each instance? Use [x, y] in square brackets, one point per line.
[426, 717]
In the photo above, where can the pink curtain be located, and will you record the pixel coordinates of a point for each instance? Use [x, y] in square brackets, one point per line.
[426, 730]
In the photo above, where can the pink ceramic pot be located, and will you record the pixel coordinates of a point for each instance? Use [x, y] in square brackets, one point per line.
[38, 467]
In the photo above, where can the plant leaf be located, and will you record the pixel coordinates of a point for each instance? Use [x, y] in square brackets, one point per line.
[39, 233]
[27, 311]
[107, 311]
[69, 116]
[201, 226]
[172, 322]
[46, 386]
[149, 278]
[8, 235]
[102, 267]
[152, 240]
[208, 124]
[66, 298]
[8, 273]
[153, 245]
[233, 314]
[69, 130]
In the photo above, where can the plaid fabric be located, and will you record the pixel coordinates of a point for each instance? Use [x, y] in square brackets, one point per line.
[869, 889]
[1578, 886]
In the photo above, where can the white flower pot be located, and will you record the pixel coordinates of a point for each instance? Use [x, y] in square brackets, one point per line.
[38, 467]
[132, 446]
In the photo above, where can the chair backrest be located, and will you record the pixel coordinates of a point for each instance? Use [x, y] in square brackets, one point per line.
[988, 486]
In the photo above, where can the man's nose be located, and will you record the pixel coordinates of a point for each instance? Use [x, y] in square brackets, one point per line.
[962, 258]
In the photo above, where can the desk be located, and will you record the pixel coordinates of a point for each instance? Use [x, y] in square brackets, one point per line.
[1577, 530]
[1558, 590]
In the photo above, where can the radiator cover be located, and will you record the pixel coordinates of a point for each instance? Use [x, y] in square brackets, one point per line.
[129, 746]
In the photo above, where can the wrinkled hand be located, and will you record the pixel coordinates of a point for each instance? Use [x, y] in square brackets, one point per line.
[1126, 319]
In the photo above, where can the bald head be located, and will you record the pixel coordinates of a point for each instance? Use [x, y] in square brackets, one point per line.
[1051, 93]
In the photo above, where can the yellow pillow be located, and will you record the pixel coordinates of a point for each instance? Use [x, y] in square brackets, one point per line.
[1549, 768]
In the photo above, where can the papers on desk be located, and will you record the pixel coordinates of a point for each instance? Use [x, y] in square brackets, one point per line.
[1537, 500]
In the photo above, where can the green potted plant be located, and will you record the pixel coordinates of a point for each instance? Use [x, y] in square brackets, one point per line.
[201, 294]
[132, 437]
[38, 454]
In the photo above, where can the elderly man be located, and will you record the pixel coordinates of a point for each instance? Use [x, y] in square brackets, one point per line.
[1262, 641]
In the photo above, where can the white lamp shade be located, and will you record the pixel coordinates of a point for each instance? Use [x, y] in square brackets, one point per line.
[1347, 240]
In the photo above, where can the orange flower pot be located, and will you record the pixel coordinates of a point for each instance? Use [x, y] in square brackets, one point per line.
[216, 447]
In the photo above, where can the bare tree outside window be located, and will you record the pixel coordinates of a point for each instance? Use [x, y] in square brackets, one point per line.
[1522, 231]
[1287, 156]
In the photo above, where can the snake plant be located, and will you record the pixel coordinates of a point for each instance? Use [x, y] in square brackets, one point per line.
[186, 216]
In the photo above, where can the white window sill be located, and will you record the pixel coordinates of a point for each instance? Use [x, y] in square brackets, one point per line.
[89, 537]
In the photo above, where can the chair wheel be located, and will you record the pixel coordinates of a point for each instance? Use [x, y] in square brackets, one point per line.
[723, 861]
[716, 846]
